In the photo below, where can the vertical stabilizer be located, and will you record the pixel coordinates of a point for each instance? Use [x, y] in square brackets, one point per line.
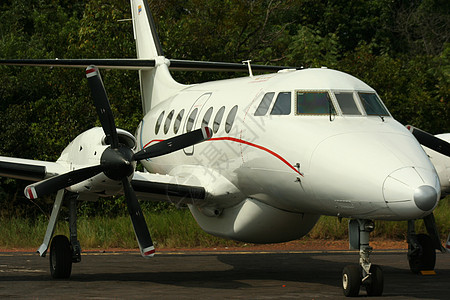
[156, 84]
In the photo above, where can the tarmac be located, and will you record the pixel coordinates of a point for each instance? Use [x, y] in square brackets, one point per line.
[215, 275]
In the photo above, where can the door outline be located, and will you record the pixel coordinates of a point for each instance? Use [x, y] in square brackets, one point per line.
[199, 104]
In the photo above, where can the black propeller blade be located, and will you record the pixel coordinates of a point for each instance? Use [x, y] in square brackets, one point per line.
[54, 184]
[174, 144]
[138, 220]
[118, 160]
[102, 105]
[430, 141]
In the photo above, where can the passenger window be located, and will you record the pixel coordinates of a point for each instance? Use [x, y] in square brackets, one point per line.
[191, 119]
[230, 119]
[263, 107]
[177, 123]
[158, 122]
[207, 117]
[168, 120]
[315, 103]
[347, 103]
[218, 119]
[282, 105]
[372, 104]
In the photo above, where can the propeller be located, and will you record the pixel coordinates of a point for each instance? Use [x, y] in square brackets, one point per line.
[118, 161]
[430, 141]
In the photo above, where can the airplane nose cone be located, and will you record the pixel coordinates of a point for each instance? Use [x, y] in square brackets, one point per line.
[411, 192]
[425, 197]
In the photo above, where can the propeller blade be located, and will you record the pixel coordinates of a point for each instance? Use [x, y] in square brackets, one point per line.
[102, 105]
[53, 184]
[138, 220]
[430, 141]
[174, 144]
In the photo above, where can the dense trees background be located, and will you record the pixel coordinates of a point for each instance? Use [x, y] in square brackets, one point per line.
[400, 48]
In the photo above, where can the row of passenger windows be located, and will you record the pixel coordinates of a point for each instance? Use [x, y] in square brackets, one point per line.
[193, 116]
[318, 103]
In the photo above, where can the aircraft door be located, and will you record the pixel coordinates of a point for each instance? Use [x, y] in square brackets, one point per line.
[193, 116]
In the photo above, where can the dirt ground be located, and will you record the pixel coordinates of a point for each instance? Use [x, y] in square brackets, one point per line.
[321, 245]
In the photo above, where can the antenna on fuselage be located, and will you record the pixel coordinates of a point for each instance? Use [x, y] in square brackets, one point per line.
[247, 62]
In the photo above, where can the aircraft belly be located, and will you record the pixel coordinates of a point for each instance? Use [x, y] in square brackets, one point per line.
[255, 222]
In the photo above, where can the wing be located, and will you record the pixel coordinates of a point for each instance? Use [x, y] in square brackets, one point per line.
[28, 169]
[141, 64]
[148, 186]
[156, 187]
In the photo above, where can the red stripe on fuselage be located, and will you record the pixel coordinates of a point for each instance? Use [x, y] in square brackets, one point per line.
[249, 144]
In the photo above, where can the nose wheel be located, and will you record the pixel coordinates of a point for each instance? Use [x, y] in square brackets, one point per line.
[365, 274]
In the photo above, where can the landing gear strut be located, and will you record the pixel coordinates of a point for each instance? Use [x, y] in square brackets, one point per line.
[62, 251]
[365, 274]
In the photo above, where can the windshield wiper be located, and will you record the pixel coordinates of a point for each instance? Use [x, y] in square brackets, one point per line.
[330, 108]
[371, 107]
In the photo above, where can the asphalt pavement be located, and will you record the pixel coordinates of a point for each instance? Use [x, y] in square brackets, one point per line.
[214, 275]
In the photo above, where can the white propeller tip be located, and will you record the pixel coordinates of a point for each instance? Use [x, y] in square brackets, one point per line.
[30, 192]
[91, 71]
[207, 132]
[148, 252]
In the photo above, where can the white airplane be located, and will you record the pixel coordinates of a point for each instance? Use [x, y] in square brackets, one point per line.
[287, 147]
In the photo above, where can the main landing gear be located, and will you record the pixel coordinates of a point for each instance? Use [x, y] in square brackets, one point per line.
[63, 252]
[365, 274]
[422, 247]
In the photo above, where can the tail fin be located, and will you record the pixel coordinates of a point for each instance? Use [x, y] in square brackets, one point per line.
[157, 84]
[147, 40]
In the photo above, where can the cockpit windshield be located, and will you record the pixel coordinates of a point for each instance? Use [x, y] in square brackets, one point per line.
[314, 103]
[372, 104]
[345, 103]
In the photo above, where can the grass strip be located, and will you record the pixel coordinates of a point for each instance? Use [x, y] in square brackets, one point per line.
[178, 229]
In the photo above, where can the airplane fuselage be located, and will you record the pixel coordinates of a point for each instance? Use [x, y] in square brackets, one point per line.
[347, 160]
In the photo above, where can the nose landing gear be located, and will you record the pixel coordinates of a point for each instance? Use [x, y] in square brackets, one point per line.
[365, 274]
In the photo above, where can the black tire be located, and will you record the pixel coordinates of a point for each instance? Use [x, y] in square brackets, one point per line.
[351, 280]
[60, 257]
[376, 283]
[427, 259]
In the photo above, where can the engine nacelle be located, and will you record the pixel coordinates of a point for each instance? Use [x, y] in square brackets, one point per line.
[86, 150]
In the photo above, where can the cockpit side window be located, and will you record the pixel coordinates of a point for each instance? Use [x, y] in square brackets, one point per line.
[347, 103]
[314, 103]
[263, 107]
[282, 105]
[372, 104]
